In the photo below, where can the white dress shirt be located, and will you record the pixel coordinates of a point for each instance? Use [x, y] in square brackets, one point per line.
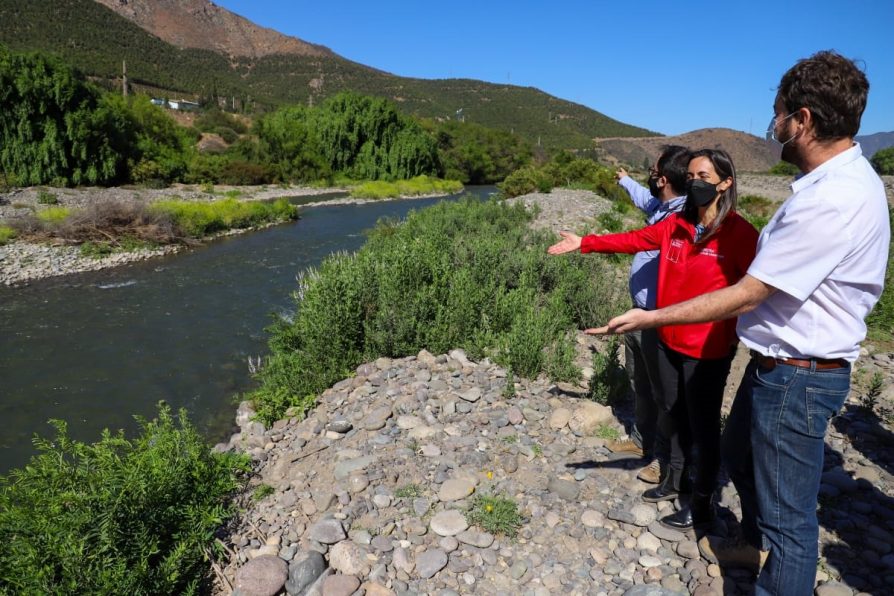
[825, 251]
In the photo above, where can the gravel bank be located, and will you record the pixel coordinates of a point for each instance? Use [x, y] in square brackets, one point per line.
[22, 262]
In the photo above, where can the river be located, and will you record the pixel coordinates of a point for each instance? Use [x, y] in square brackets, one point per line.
[95, 349]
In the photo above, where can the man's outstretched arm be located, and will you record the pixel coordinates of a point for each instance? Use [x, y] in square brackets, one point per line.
[733, 301]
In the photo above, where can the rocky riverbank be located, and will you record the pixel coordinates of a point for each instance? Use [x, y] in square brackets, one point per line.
[22, 262]
[375, 491]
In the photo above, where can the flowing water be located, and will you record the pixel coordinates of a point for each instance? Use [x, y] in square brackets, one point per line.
[95, 349]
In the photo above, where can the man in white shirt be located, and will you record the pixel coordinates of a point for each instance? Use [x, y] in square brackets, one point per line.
[819, 270]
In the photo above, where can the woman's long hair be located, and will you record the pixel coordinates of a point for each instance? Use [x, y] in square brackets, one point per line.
[723, 165]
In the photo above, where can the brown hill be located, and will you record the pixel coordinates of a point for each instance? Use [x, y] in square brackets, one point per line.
[749, 153]
[203, 25]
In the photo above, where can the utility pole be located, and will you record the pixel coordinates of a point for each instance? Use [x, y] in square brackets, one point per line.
[124, 78]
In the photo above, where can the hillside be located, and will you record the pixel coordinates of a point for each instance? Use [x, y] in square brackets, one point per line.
[247, 70]
[749, 153]
[875, 142]
[203, 25]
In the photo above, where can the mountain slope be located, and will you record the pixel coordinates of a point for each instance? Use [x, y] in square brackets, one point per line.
[749, 153]
[875, 142]
[96, 39]
[203, 25]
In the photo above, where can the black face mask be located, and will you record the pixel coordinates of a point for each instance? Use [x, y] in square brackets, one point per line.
[653, 186]
[700, 193]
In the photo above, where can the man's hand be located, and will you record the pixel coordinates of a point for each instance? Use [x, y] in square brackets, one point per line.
[620, 173]
[632, 320]
[569, 243]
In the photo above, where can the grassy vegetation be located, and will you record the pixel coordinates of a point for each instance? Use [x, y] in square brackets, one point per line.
[495, 514]
[756, 209]
[53, 216]
[468, 275]
[609, 384]
[565, 171]
[7, 234]
[117, 516]
[46, 198]
[408, 491]
[420, 185]
[262, 492]
[198, 219]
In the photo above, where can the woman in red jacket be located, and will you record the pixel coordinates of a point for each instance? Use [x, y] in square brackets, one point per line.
[705, 247]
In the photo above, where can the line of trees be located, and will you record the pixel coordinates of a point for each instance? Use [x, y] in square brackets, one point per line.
[57, 128]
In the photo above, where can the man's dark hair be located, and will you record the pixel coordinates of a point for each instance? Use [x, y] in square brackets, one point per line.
[673, 163]
[832, 88]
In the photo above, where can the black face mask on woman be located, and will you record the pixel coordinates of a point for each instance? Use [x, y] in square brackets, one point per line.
[700, 192]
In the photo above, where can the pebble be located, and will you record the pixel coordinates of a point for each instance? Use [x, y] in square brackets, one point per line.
[263, 576]
[448, 523]
[340, 585]
[456, 489]
[430, 562]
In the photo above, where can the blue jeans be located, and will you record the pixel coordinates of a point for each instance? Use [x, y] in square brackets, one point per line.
[773, 449]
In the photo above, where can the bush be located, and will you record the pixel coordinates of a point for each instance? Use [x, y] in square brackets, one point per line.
[118, 516]
[7, 234]
[783, 168]
[756, 209]
[53, 216]
[227, 134]
[465, 275]
[420, 185]
[609, 383]
[46, 198]
[196, 220]
[240, 173]
[883, 161]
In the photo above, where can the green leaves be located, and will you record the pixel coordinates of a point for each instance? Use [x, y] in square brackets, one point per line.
[457, 275]
[119, 516]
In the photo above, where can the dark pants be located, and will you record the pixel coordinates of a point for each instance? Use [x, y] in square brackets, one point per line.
[641, 362]
[773, 449]
[691, 393]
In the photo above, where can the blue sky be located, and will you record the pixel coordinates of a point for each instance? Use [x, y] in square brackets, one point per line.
[667, 66]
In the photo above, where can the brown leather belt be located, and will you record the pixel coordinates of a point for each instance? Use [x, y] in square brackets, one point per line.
[821, 363]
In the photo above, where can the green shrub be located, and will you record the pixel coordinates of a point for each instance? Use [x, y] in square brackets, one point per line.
[465, 275]
[95, 250]
[7, 234]
[495, 514]
[783, 168]
[242, 173]
[610, 222]
[198, 219]
[118, 516]
[420, 185]
[609, 383]
[227, 134]
[883, 161]
[756, 209]
[523, 181]
[46, 198]
[53, 216]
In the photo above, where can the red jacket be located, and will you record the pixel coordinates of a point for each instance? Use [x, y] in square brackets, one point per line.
[686, 270]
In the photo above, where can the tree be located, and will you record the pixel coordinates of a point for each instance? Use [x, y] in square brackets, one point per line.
[51, 127]
[883, 161]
